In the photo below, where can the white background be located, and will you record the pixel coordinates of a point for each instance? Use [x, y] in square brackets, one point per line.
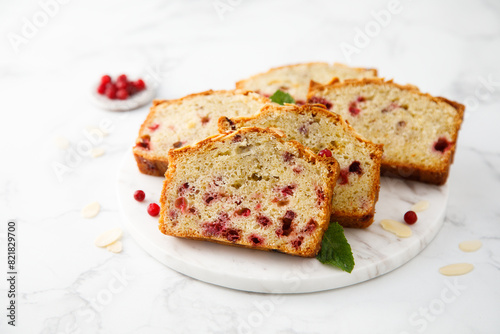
[51, 54]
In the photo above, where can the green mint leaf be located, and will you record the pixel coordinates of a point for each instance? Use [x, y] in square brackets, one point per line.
[335, 250]
[281, 97]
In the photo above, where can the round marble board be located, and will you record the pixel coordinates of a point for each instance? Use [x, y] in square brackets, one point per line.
[375, 250]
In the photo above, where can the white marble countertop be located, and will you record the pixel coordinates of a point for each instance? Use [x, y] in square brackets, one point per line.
[52, 52]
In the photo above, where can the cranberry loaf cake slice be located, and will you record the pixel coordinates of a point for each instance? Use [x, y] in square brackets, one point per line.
[327, 133]
[294, 79]
[175, 123]
[249, 188]
[419, 132]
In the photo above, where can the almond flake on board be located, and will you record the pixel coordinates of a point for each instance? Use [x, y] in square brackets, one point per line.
[470, 245]
[456, 269]
[97, 152]
[108, 237]
[61, 142]
[115, 247]
[399, 229]
[420, 206]
[91, 210]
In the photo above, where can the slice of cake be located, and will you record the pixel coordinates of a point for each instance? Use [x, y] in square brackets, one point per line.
[294, 79]
[249, 188]
[176, 123]
[419, 132]
[327, 133]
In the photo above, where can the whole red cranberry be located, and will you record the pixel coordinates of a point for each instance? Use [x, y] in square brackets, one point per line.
[121, 84]
[105, 79]
[122, 77]
[153, 209]
[410, 217]
[139, 195]
[139, 84]
[122, 94]
[102, 88]
[111, 91]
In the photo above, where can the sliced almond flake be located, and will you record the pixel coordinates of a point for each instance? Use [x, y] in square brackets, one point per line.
[61, 142]
[108, 237]
[399, 229]
[91, 210]
[420, 206]
[456, 269]
[470, 245]
[115, 247]
[97, 152]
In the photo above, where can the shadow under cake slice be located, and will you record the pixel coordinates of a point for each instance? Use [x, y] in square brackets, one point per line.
[326, 133]
[249, 188]
[419, 132]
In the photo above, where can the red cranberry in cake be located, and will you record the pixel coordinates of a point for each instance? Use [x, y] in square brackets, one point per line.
[320, 194]
[288, 157]
[263, 221]
[355, 167]
[144, 142]
[320, 100]
[392, 106]
[286, 226]
[311, 226]
[297, 169]
[304, 129]
[256, 240]
[209, 197]
[353, 109]
[205, 120]
[236, 139]
[245, 212]
[442, 144]
[232, 235]
[325, 153]
[296, 243]
[300, 102]
[288, 190]
[343, 177]
[153, 127]
[181, 204]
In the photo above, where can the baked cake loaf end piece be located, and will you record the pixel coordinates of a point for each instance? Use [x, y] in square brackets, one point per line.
[249, 188]
[294, 79]
[326, 133]
[419, 132]
[176, 123]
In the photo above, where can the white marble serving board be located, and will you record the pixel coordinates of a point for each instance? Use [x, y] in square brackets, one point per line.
[375, 250]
